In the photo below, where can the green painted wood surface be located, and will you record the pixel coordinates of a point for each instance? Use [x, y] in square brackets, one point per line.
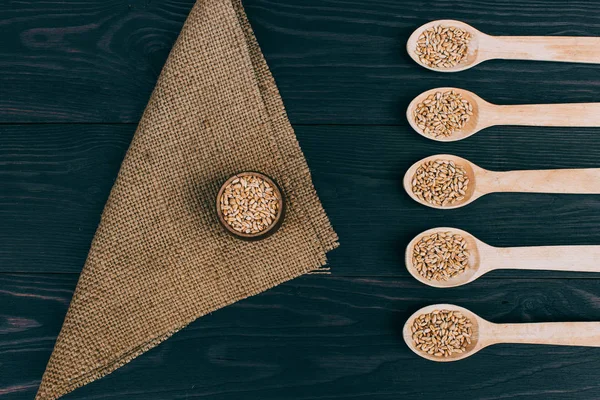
[317, 337]
[56, 179]
[336, 61]
[75, 76]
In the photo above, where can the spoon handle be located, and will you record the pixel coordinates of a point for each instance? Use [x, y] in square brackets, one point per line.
[575, 114]
[555, 333]
[574, 181]
[544, 48]
[548, 258]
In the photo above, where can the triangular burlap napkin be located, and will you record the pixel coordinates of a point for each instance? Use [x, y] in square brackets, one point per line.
[159, 259]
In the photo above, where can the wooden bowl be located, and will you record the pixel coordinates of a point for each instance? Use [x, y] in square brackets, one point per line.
[253, 236]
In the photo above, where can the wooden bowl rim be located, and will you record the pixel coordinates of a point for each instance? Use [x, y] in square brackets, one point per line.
[278, 219]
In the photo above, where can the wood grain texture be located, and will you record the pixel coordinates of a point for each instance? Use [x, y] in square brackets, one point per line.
[83, 60]
[314, 338]
[335, 61]
[95, 63]
[56, 178]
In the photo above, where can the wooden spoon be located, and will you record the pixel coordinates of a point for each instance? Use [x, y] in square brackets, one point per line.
[486, 333]
[484, 258]
[483, 47]
[482, 181]
[487, 114]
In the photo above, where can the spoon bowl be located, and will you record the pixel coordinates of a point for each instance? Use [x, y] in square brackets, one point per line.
[473, 54]
[474, 347]
[471, 273]
[474, 125]
[471, 193]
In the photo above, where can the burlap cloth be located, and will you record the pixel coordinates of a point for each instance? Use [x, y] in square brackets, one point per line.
[160, 259]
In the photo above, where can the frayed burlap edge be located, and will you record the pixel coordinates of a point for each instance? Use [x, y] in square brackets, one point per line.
[324, 235]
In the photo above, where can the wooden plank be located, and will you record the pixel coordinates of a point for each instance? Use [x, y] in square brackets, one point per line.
[336, 62]
[56, 178]
[313, 338]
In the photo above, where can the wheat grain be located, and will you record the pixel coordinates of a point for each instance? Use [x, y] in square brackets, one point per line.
[440, 182]
[249, 204]
[440, 256]
[441, 114]
[443, 46]
[442, 333]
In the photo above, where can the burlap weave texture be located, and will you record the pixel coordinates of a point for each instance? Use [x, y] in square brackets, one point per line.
[159, 259]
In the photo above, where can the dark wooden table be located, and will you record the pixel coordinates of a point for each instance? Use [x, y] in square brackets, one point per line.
[75, 76]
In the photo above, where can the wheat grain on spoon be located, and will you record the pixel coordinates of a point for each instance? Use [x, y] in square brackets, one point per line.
[447, 257]
[448, 114]
[481, 47]
[428, 183]
[482, 333]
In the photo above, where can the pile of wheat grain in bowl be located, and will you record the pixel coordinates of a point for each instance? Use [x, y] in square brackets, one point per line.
[440, 256]
[441, 114]
[440, 182]
[442, 333]
[443, 46]
[249, 204]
